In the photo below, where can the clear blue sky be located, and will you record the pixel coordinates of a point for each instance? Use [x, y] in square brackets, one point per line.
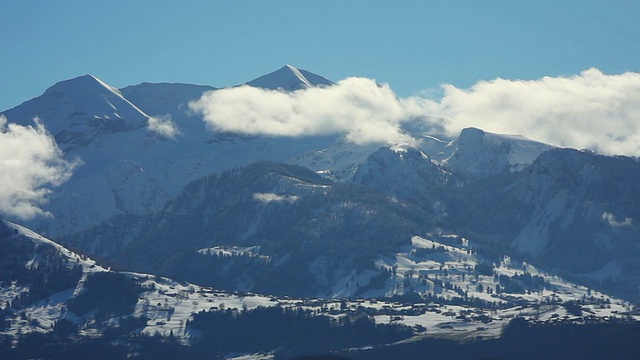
[411, 45]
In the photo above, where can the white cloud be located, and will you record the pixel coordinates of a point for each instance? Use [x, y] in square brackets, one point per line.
[270, 197]
[611, 220]
[163, 126]
[358, 107]
[30, 163]
[591, 110]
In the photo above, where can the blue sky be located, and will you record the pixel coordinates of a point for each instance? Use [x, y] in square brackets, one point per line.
[411, 45]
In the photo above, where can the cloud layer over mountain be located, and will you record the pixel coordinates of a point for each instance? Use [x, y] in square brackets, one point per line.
[30, 162]
[358, 107]
[590, 110]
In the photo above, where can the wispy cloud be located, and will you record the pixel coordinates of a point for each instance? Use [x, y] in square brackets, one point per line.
[30, 163]
[611, 220]
[270, 197]
[164, 126]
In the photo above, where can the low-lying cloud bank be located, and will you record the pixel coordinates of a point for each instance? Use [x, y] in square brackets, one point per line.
[30, 163]
[590, 110]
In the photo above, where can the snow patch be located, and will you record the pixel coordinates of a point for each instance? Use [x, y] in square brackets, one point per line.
[232, 251]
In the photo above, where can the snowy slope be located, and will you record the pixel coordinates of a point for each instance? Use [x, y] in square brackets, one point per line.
[86, 263]
[443, 269]
[143, 171]
[338, 161]
[158, 99]
[383, 170]
[480, 153]
[166, 304]
[46, 259]
[342, 159]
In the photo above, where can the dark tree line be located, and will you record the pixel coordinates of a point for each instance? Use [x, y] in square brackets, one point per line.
[110, 293]
[296, 330]
[522, 340]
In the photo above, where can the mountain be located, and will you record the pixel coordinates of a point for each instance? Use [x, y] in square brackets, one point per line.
[138, 169]
[61, 304]
[252, 227]
[295, 221]
[79, 110]
[482, 183]
[480, 153]
[289, 78]
[489, 185]
[570, 211]
[420, 175]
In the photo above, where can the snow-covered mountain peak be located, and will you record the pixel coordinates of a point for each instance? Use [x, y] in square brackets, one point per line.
[405, 148]
[382, 169]
[82, 87]
[78, 110]
[289, 78]
[482, 153]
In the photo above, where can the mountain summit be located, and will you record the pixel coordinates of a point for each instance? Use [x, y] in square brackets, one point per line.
[289, 78]
[78, 110]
